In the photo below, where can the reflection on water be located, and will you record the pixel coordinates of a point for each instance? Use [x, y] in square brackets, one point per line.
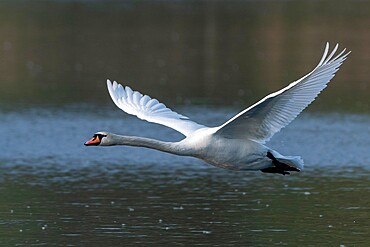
[58, 54]
[71, 195]
[217, 52]
[130, 205]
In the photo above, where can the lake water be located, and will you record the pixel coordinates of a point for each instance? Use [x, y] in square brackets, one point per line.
[55, 191]
[207, 61]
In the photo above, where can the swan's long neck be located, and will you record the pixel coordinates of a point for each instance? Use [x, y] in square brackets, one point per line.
[169, 147]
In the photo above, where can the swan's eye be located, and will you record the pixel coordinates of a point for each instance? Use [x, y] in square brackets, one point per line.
[101, 136]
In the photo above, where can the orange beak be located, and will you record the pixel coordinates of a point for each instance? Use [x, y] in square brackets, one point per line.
[95, 141]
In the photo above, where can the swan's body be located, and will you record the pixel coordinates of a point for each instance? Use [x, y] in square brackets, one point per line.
[238, 144]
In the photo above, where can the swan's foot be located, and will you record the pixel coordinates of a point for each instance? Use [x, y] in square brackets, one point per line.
[279, 167]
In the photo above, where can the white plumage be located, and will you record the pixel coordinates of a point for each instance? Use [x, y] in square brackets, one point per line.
[239, 143]
[268, 116]
[151, 110]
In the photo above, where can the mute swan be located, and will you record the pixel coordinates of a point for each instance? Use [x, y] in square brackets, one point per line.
[237, 144]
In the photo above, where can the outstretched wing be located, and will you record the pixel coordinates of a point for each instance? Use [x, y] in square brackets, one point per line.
[268, 116]
[151, 110]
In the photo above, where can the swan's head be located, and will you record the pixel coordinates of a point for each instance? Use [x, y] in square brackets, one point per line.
[98, 139]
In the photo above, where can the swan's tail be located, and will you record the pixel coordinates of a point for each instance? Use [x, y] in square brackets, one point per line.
[283, 164]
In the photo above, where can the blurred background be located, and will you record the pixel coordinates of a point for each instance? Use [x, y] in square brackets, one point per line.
[207, 60]
[182, 52]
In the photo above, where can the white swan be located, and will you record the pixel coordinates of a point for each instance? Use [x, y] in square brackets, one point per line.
[238, 144]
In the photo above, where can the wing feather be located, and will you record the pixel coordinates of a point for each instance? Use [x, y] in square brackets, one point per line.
[151, 110]
[268, 116]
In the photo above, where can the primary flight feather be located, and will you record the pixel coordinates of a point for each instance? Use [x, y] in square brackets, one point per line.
[237, 144]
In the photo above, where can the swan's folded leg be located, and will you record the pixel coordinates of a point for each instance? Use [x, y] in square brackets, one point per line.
[282, 165]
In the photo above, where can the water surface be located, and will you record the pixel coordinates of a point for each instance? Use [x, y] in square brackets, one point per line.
[224, 52]
[55, 191]
[207, 60]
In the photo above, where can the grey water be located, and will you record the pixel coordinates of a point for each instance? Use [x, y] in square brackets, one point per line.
[207, 60]
[55, 191]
